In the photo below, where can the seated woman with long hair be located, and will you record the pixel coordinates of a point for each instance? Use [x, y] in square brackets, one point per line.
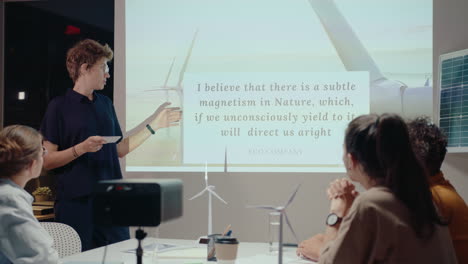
[394, 220]
[22, 238]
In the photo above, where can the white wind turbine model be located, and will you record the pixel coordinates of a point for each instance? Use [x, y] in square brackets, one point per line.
[210, 189]
[282, 211]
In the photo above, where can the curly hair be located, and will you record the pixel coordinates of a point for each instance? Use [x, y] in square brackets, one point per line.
[429, 143]
[19, 146]
[86, 51]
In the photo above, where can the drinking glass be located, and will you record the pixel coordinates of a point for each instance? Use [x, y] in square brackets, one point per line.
[273, 231]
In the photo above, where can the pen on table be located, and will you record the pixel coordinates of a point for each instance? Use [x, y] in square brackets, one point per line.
[289, 245]
[226, 229]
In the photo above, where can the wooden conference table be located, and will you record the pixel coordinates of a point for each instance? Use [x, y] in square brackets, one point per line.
[186, 252]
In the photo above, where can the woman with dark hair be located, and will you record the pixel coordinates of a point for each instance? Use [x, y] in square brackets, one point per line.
[22, 238]
[394, 220]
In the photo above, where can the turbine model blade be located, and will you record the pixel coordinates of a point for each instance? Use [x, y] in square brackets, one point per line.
[267, 207]
[290, 227]
[184, 67]
[198, 194]
[169, 73]
[291, 198]
[352, 52]
[206, 174]
[428, 81]
[280, 246]
[162, 88]
[217, 196]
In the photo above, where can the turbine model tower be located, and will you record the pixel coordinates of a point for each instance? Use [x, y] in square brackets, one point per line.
[210, 189]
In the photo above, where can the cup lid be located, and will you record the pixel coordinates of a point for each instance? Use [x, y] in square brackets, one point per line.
[226, 240]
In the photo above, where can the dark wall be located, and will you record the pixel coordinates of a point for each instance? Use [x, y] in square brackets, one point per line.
[35, 47]
[2, 44]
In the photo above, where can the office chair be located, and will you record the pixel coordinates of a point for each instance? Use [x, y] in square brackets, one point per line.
[66, 240]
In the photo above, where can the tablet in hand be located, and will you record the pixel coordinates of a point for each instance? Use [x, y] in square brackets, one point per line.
[112, 139]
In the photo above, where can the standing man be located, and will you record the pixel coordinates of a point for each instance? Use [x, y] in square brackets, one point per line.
[73, 129]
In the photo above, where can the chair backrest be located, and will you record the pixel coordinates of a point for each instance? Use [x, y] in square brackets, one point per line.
[66, 240]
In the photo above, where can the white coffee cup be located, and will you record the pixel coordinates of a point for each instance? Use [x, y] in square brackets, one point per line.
[226, 249]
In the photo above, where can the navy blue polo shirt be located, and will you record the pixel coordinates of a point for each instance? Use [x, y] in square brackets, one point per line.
[71, 119]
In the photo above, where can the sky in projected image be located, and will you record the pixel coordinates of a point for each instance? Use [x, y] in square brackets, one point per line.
[251, 60]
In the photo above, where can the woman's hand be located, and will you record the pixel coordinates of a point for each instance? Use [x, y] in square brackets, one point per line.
[339, 187]
[166, 117]
[342, 194]
[91, 144]
[311, 247]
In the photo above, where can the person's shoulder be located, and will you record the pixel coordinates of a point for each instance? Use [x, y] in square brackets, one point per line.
[102, 97]
[56, 102]
[376, 198]
[376, 195]
[10, 196]
[445, 191]
[447, 196]
[379, 203]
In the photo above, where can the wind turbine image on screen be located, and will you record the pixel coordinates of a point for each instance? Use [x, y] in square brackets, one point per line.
[386, 95]
[178, 89]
